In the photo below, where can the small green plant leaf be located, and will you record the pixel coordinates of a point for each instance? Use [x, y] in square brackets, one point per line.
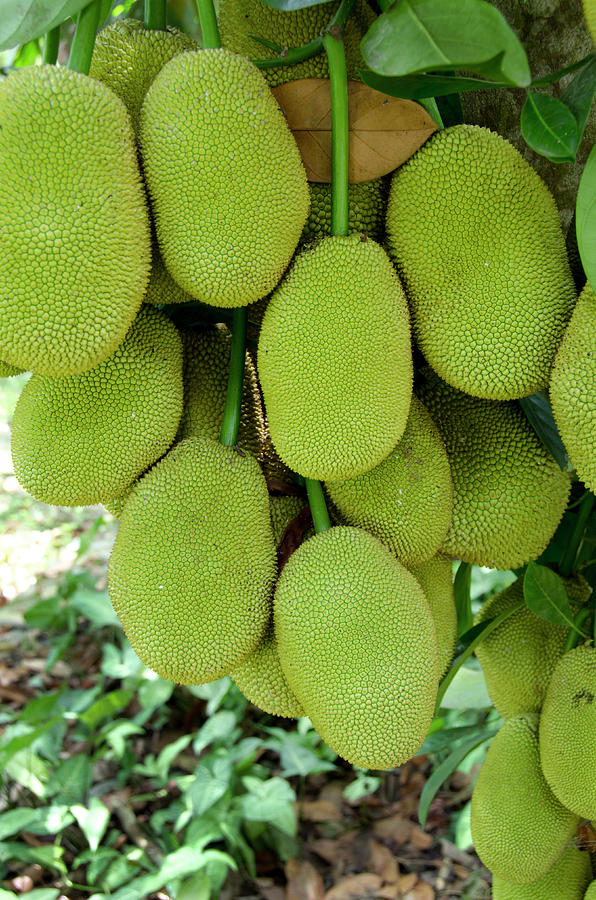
[93, 820]
[48, 856]
[71, 780]
[362, 786]
[269, 801]
[24, 741]
[417, 87]
[23, 20]
[545, 595]
[447, 768]
[578, 96]
[585, 218]
[95, 606]
[549, 127]
[461, 590]
[218, 728]
[467, 690]
[212, 779]
[539, 414]
[107, 705]
[419, 35]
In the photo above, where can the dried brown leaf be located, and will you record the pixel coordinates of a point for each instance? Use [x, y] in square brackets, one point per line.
[319, 811]
[291, 539]
[395, 829]
[384, 131]
[355, 887]
[407, 882]
[383, 863]
[420, 838]
[422, 891]
[334, 851]
[304, 882]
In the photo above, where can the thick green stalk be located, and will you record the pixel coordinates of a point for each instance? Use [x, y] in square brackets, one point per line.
[228, 435]
[298, 54]
[51, 45]
[208, 20]
[81, 50]
[318, 507]
[570, 556]
[154, 13]
[334, 47]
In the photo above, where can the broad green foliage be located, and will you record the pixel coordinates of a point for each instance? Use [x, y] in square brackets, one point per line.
[434, 577]
[69, 183]
[475, 235]
[259, 182]
[83, 439]
[193, 565]
[567, 729]
[336, 406]
[519, 827]
[566, 880]
[357, 646]
[406, 501]
[573, 388]
[509, 493]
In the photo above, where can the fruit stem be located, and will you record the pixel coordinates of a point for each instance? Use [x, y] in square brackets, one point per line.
[294, 55]
[338, 77]
[154, 13]
[574, 634]
[50, 46]
[228, 435]
[208, 20]
[570, 555]
[81, 50]
[318, 507]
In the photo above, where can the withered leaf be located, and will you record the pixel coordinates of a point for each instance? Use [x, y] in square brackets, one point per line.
[384, 131]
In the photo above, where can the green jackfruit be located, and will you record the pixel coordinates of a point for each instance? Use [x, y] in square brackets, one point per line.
[74, 232]
[590, 14]
[240, 20]
[367, 202]
[434, 577]
[7, 371]
[127, 57]
[573, 388]
[82, 439]
[162, 290]
[283, 510]
[225, 177]
[519, 828]
[358, 647]
[193, 564]
[475, 235]
[405, 501]
[508, 492]
[568, 731]
[566, 880]
[591, 892]
[206, 366]
[336, 406]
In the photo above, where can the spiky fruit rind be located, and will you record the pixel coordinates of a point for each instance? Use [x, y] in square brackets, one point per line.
[7, 371]
[367, 202]
[162, 290]
[566, 880]
[262, 681]
[435, 578]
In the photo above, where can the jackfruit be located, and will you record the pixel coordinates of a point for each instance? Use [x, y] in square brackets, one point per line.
[358, 647]
[519, 828]
[566, 880]
[367, 202]
[508, 492]
[81, 439]
[6, 370]
[127, 57]
[590, 15]
[74, 232]
[240, 21]
[225, 177]
[405, 501]
[591, 892]
[434, 577]
[475, 235]
[336, 405]
[568, 730]
[162, 290]
[206, 365]
[193, 564]
[573, 388]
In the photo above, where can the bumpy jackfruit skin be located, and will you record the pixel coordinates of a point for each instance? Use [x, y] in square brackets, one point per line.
[508, 492]
[519, 827]
[81, 439]
[358, 647]
[127, 57]
[74, 232]
[591, 892]
[283, 510]
[336, 406]
[434, 577]
[566, 880]
[367, 202]
[406, 501]
[573, 388]
[193, 564]
[6, 370]
[239, 20]
[519, 656]
[568, 729]
[590, 14]
[475, 235]
[210, 128]
[206, 367]
[162, 290]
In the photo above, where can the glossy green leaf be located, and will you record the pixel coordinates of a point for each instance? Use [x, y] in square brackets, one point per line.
[212, 779]
[545, 595]
[107, 705]
[585, 218]
[461, 590]
[539, 414]
[71, 780]
[578, 96]
[363, 786]
[289, 5]
[92, 820]
[417, 87]
[23, 20]
[95, 606]
[549, 127]
[420, 35]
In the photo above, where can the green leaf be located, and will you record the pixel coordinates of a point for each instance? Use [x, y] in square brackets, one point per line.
[36, 894]
[447, 768]
[420, 35]
[549, 127]
[289, 5]
[585, 218]
[417, 87]
[362, 786]
[71, 780]
[545, 595]
[212, 779]
[218, 728]
[107, 705]
[269, 801]
[169, 754]
[24, 741]
[463, 604]
[16, 820]
[578, 96]
[539, 414]
[213, 692]
[23, 20]
[49, 856]
[93, 820]
[95, 606]
[467, 691]
[297, 758]
[197, 887]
